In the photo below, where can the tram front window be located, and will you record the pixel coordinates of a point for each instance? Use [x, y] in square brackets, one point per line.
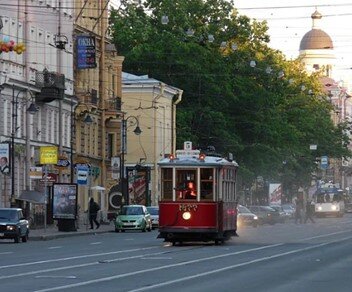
[186, 185]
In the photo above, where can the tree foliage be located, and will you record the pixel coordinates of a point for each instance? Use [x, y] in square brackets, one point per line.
[259, 113]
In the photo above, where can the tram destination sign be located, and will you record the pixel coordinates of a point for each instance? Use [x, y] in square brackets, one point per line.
[189, 153]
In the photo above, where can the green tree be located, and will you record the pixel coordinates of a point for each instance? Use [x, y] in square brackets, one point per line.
[259, 113]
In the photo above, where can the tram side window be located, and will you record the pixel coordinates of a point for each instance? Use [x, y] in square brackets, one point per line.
[166, 184]
[206, 184]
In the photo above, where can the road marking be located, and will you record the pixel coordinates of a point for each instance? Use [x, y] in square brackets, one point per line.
[163, 284]
[156, 269]
[156, 258]
[54, 247]
[7, 252]
[66, 277]
[324, 235]
[93, 243]
[77, 266]
[77, 257]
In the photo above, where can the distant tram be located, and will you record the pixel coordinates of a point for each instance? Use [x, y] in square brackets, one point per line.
[198, 197]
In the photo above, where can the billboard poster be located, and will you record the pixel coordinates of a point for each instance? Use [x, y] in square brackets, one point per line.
[275, 193]
[48, 154]
[5, 158]
[85, 46]
[64, 201]
[137, 186]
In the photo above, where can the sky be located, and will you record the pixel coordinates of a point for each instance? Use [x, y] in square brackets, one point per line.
[289, 20]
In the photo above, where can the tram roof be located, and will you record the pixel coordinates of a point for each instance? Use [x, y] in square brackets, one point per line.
[195, 161]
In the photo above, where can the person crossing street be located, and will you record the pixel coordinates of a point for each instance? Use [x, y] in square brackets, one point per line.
[93, 212]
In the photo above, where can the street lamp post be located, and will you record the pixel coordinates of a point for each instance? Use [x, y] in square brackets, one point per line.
[137, 131]
[31, 110]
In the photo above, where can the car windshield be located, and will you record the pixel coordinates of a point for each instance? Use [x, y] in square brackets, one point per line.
[8, 215]
[242, 209]
[153, 211]
[131, 210]
[266, 208]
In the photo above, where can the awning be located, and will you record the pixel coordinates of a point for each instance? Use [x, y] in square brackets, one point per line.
[34, 197]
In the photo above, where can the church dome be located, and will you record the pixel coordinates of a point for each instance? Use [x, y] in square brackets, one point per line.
[316, 39]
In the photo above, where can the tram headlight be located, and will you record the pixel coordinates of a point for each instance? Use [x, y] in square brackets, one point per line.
[186, 215]
[334, 207]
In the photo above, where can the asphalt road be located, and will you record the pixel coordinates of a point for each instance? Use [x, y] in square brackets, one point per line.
[282, 257]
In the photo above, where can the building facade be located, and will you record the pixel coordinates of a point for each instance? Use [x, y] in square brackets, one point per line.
[42, 28]
[98, 91]
[153, 104]
[316, 52]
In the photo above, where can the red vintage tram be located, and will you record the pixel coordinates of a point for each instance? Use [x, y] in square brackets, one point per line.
[198, 197]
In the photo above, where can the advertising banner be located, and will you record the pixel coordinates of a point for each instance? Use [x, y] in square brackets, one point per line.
[275, 193]
[115, 167]
[35, 172]
[5, 158]
[48, 155]
[64, 201]
[86, 52]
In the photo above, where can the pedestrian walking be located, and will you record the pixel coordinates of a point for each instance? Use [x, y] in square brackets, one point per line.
[309, 212]
[93, 212]
[298, 212]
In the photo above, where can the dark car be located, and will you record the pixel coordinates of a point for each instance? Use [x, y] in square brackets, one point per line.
[283, 216]
[265, 214]
[13, 225]
[245, 217]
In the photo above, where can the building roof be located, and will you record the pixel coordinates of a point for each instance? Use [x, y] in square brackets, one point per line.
[316, 39]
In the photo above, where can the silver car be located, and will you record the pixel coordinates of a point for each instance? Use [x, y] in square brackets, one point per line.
[154, 215]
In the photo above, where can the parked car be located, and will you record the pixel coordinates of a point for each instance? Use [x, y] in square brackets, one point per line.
[265, 214]
[289, 209]
[13, 225]
[246, 217]
[133, 217]
[154, 215]
[283, 216]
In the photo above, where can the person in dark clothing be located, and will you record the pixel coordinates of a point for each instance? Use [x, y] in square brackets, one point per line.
[93, 212]
[298, 212]
[309, 212]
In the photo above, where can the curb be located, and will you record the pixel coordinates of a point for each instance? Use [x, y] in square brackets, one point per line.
[45, 237]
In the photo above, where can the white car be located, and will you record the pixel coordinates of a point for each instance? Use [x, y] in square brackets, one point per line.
[154, 215]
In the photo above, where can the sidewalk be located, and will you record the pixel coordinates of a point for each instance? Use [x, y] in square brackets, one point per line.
[52, 232]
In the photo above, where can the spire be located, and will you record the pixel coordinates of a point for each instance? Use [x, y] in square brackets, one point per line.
[316, 16]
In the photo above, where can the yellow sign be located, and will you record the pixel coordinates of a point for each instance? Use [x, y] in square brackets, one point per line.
[48, 155]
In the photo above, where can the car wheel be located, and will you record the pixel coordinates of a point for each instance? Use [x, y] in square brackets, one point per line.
[25, 238]
[117, 230]
[255, 225]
